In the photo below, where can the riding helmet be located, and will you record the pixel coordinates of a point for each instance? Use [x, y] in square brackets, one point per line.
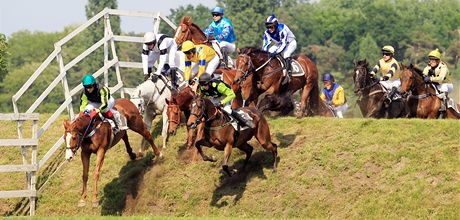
[435, 54]
[328, 77]
[388, 49]
[88, 80]
[149, 37]
[204, 79]
[187, 45]
[218, 10]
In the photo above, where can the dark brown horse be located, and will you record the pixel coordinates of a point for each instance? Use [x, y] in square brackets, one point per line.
[76, 133]
[422, 100]
[284, 104]
[259, 75]
[372, 98]
[219, 133]
[186, 30]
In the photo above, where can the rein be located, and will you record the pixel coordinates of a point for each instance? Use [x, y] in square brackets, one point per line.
[82, 136]
[208, 119]
[252, 69]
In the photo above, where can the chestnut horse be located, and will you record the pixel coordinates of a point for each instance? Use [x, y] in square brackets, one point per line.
[422, 102]
[100, 140]
[372, 98]
[259, 75]
[219, 133]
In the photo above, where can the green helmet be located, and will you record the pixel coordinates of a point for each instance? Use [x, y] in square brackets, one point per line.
[88, 80]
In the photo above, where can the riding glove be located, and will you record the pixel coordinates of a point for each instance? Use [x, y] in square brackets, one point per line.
[384, 78]
[93, 113]
[426, 79]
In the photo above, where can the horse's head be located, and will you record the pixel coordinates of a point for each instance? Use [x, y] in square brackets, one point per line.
[361, 73]
[189, 31]
[174, 113]
[73, 135]
[197, 112]
[244, 67]
[411, 76]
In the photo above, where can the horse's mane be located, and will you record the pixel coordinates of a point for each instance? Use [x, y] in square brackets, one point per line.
[187, 20]
[361, 63]
[249, 50]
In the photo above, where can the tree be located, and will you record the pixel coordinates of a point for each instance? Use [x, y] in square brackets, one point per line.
[3, 57]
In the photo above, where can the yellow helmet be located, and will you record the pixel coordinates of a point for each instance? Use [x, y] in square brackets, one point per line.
[187, 45]
[435, 54]
[388, 49]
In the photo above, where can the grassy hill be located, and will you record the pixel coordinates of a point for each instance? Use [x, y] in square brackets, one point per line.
[352, 168]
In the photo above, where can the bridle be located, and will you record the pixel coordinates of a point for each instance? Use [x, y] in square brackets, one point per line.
[175, 120]
[199, 117]
[251, 68]
[363, 70]
[80, 136]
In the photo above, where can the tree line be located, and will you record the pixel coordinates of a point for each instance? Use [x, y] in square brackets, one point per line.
[331, 32]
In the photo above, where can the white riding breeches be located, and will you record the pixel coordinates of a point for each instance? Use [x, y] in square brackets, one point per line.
[288, 50]
[227, 108]
[340, 110]
[94, 105]
[227, 47]
[445, 87]
[391, 83]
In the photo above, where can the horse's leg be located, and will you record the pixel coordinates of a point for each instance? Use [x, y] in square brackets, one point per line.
[263, 137]
[227, 153]
[199, 136]
[141, 129]
[248, 150]
[199, 148]
[304, 100]
[190, 132]
[99, 162]
[148, 117]
[164, 132]
[85, 156]
[129, 149]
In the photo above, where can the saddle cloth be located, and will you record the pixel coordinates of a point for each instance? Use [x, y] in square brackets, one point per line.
[246, 118]
[297, 69]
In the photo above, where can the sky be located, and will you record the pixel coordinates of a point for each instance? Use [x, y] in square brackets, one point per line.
[54, 15]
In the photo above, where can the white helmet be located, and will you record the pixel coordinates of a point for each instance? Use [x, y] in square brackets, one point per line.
[149, 37]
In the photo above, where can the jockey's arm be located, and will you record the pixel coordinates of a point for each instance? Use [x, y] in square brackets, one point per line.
[392, 70]
[227, 92]
[339, 97]
[145, 59]
[163, 55]
[426, 70]
[104, 99]
[283, 42]
[83, 102]
[208, 31]
[187, 70]
[225, 33]
[267, 42]
[375, 69]
[441, 77]
[322, 96]
[201, 62]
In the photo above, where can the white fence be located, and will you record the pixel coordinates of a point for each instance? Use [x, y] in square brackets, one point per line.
[28, 166]
[109, 38]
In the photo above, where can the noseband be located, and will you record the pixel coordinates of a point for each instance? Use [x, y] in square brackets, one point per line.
[80, 137]
[246, 73]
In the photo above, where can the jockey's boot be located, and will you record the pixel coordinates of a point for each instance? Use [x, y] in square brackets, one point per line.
[241, 120]
[173, 72]
[287, 78]
[225, 58]
[120, 121]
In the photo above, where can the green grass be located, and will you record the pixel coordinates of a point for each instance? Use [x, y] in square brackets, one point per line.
[352, 168]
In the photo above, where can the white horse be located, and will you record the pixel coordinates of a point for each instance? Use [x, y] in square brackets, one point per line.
[150, 97]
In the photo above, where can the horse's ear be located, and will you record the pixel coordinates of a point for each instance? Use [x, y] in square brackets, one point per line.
[167, 101]
[238, 50]
[66, 123]
[354, 62]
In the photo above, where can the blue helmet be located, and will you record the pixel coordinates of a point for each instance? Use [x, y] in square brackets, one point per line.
[218, 10]
[271, 20]
[328, 77]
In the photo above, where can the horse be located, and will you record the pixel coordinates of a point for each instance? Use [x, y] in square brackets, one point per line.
[219, 133]
[284, 104]
[180, 102]
[78, 134]
[422, 102]
[372, 98]
[259, 75]
[153, 95]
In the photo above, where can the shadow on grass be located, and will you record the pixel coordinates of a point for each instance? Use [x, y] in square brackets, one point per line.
[127, 184]
[285, 139]
[236, 184]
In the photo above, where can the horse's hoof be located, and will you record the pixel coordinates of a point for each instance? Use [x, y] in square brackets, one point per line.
[96, 204]
[81, 203]
[133, 156]
[140, 155]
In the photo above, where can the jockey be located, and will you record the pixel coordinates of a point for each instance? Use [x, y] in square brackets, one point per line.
[283, 39]
[221, 29]
[98, 100]
[334, 95]
[390, 72]
[200, 54]
[163, 48]
[437, 72]
[221, 95]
